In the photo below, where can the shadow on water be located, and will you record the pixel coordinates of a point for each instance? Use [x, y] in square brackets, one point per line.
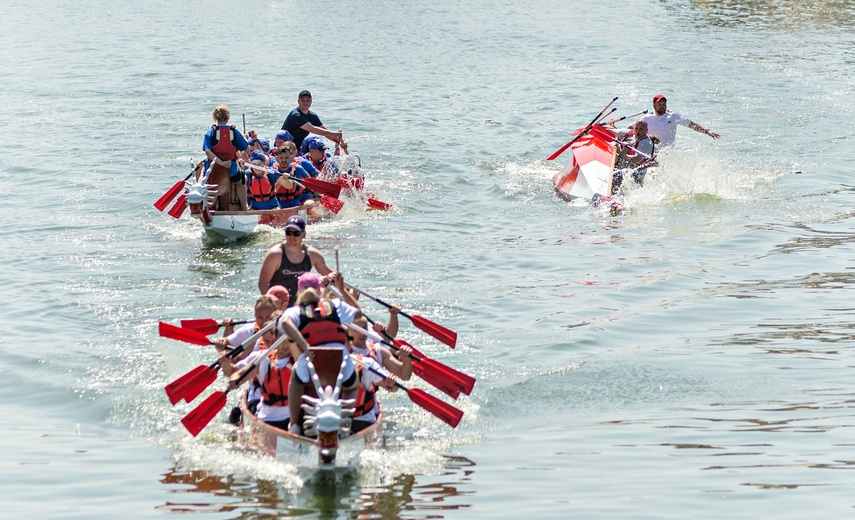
[340, 493]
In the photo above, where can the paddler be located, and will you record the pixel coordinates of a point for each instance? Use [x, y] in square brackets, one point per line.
[268, 395]
[265, 306]
[663, 123]
[285, 262]
[260, 183]
[317, 322]
[221, 145]
[288, 193]
[636, 140]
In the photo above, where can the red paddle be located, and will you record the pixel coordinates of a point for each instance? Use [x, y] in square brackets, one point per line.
[592, 123]
[447, 336]
[206, 325]
[378, 204]
[173, 192]
[199, 417]
[319, 186]
[179, 207]
[190, 336]
[439, 408]
[330, 203]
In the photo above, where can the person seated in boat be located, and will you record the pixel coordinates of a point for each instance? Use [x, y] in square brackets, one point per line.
[260, 191]
[400, 365]
[267, 396]
[636, 152]
[265, 306]
[367, 406]
[317, 322]
[285, 262]
[221, 145]
[288, 193]
[316, 153]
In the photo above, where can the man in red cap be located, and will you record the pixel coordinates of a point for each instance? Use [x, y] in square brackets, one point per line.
[663, 124]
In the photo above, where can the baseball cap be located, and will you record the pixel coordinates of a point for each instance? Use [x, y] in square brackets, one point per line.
[257, 155]
[317, 144]
[659, 97]
[279, 292]
[307, 280]
[296, 222]
[304, 93]
[284, 135]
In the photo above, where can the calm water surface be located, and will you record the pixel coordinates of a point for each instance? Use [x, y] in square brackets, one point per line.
[691, 358]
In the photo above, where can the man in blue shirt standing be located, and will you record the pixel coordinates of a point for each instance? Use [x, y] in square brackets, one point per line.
[301, 121]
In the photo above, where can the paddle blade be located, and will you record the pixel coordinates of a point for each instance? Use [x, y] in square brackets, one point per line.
[198, 384]
[436, 378]
[442, 410]
[447, 336]
[461, 381]
[196, 420]
[172, 332]
[201, 325]
[173, 389]
[167, 197]
[331, 204]
[559, 151]
[324, 187]
[378, 204]
[179, 207]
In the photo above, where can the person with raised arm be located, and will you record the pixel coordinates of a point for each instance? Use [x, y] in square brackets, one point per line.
[663, 123]
[301, 121]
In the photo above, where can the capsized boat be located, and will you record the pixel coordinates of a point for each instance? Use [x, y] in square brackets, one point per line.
[589, 170]
[327, 420]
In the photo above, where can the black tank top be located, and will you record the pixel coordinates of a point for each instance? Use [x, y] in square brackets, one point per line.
[287, 273]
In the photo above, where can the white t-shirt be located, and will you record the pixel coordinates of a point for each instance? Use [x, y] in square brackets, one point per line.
[665, 126]
[241, 334]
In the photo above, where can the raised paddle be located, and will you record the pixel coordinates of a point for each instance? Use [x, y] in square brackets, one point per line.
[176, 389]
[207, 325]
[613, 121]
[199, 417]
[447, 336]
[439, 408]
[176, 188]
[432, 372]
[179, 207]
[583, 132]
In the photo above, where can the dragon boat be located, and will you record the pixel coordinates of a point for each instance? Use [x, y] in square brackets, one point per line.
[327, 421]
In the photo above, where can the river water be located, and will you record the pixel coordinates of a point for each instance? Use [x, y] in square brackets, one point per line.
[690, 358]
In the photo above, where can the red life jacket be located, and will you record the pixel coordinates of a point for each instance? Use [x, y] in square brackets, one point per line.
[274, 389]
[365, 399]
[260, 189]
[291, 193]
[320, 324]
[223, 143]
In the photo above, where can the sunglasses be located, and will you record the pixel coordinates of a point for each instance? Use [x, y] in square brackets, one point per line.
[292, 233]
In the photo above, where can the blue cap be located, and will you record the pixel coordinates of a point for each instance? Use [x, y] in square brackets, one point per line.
[285, 135]
[257, 155]
[309, 143]
[265, 144]
[295, 222]
[317, 144]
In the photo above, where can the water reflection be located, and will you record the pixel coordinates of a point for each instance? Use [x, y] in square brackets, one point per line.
[786, 15]
[341, 493]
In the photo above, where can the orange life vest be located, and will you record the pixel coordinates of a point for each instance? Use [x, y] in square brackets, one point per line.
[260, 189]
[365, 398]
[274, 389]
[291, 193]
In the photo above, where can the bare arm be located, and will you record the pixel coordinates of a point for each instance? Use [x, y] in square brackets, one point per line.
[318, 262]
[401, 366]
[698, 128]
[268, 266]
[299, 344]
[322, 130]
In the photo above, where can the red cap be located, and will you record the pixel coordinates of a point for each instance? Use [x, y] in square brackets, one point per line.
[659, 97]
